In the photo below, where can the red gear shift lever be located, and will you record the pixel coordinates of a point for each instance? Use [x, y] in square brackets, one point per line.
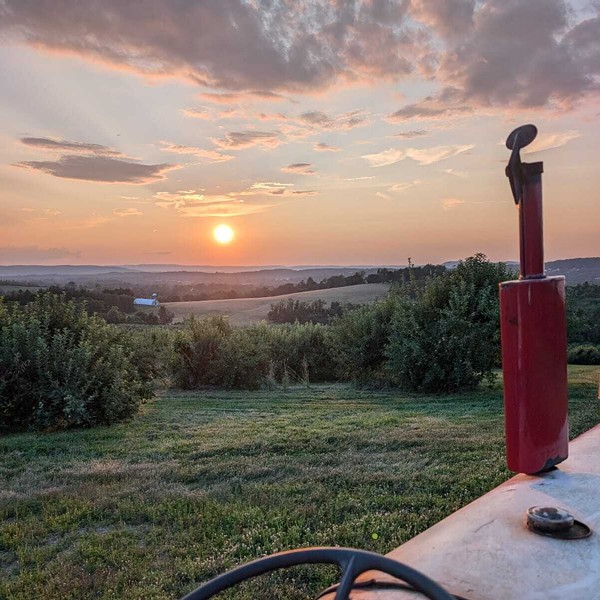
[533, 328]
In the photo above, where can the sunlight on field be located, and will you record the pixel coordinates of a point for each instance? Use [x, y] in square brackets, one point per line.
[246, 311]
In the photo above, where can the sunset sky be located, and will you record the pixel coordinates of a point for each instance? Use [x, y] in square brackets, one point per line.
[335, 132]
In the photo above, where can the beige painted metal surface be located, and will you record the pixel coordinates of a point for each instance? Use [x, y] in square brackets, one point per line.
[485, 551]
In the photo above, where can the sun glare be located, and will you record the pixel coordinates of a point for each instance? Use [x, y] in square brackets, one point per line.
[223, 234]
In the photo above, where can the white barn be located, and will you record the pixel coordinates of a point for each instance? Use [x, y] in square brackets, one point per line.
[147, 301]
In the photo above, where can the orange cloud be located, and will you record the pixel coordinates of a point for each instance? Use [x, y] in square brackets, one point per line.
[127, 212]
[450, 203]
[197, 113]
[209, 155]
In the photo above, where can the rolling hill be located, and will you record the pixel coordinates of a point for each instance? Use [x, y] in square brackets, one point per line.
[247, 311]
[576, 270]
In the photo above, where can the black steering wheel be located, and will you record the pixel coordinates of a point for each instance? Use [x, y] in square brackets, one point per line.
[352, 562]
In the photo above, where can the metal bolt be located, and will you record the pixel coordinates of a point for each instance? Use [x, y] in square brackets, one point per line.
[549, 518]
[556, 522]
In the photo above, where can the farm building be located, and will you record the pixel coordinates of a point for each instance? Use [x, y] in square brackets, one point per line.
[147, 301]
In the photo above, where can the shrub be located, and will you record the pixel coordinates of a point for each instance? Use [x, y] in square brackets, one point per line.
[164, 316]
[114, 315]
[198, 348]
[359, 338]
[60, 367]
[209, 352]
[243, 361]
[301, 311]
[584, 354]
[152, 352]
[440, 335]
[447, 337]
[583, 313]
[299, 352]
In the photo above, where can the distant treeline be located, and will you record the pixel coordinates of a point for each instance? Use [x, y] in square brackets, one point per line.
[220, 291]
[300, 311]
[410, 273]
[178, 292]
[114, 305]
[204, 292]
[101, 299]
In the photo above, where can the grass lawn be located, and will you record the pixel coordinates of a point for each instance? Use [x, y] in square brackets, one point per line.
[200, 482]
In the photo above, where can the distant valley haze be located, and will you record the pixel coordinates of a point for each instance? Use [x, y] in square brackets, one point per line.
[576, 270]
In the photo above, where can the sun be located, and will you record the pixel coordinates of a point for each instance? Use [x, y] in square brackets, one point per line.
[223, 234]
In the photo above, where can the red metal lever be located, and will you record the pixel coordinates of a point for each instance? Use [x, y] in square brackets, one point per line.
[531, 227]
[533, 328]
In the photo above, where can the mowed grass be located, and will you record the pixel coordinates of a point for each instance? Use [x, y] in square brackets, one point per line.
[247, 311]
[200, 482]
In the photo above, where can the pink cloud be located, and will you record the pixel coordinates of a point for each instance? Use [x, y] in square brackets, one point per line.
[518, 53]
[197, 113]
[486, 53]
[66, 146]
[299, 169]
[449, 18]
[424, 156]
[323, 147]
[428, 109]
[209, 155]
[234, 45]
[321, 120]
[233, 97]
[450, 203]
[414, 133]
[549, 140]
[247, 139]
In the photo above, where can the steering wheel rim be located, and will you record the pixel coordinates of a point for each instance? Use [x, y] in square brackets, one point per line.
[352, 562]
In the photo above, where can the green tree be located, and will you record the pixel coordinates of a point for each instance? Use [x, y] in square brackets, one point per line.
[447, 338]
[60, 367]
[164, 316]
[198, 349]
[359, 338]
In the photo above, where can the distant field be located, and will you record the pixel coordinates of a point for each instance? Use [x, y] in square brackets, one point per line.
[246, 311]
[202, 481]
